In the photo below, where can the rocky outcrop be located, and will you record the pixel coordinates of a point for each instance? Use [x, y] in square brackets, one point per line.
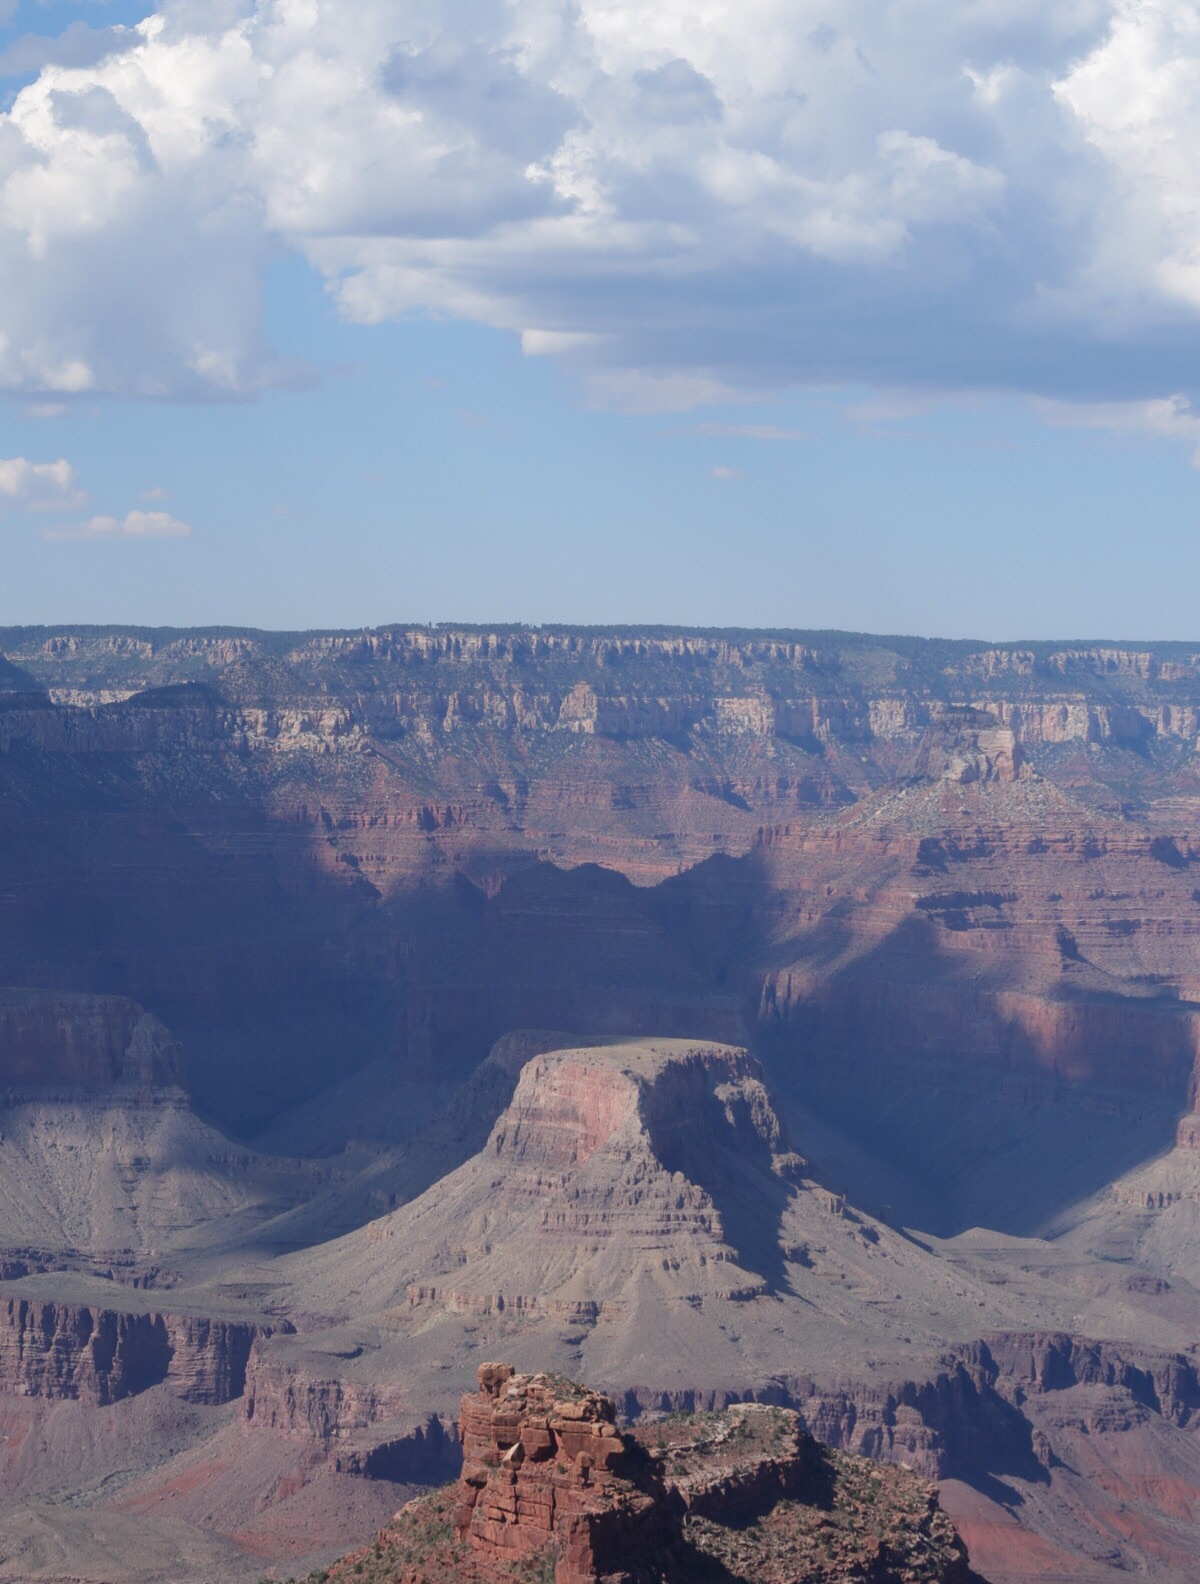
[290, 1396]
[99, 1356]
[545, 1469]
[1041, 1363]
[70, 1351]
[551, 1487]
[734, 1463]
[971, 1415]
[968, 745]
[209, 1357]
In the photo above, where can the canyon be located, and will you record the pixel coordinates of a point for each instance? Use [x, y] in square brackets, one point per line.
[801, 1019]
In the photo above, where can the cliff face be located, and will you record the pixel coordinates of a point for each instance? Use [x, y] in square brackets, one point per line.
[360, 823]
[545, 1469]
[622, 685]
[56, 1042]
[321, 1407]
[981, 1409]
[99, 1356]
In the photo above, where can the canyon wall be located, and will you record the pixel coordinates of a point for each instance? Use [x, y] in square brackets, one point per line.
[53, 1349]
[363, 827]
[70, 1042]
[947, 893]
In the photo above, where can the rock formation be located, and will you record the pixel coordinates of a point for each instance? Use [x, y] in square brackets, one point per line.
[58, 1350]
[105, 1169]
[545, 1470]
[552, 1487]
[55, 1043]
[944, 893]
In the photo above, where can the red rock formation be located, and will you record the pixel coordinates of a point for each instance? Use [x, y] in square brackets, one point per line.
[546, 1468]
[950, 894]
[550, 1485]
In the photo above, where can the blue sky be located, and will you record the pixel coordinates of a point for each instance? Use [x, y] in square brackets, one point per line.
[812, 371]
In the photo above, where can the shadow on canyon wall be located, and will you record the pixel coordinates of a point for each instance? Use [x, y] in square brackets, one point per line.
[947, 1101]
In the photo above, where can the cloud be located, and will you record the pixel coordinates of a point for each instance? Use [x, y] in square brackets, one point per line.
[726, 473]
[39, 486]
[750, 431]
[683, 204]
[1170, 418]
[635, 390]
[154, 493]
[135, 525]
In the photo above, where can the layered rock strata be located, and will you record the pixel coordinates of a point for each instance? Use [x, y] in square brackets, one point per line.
[320, 1406]
[546, 1469]
[948, 893]
[650, 684]
[608, 1159]
[51, 1043]
[99, 1356]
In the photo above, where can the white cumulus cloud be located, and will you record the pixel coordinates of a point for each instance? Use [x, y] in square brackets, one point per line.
[686, 202]
[134, 525]
[39, 486]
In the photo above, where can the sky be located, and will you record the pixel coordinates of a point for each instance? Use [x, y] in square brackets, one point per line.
[879, 316]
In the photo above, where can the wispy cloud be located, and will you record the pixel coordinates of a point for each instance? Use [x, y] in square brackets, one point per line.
[154, 493]
[726, 473]
[1169, 418]
[135, 525]
[749, 431]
